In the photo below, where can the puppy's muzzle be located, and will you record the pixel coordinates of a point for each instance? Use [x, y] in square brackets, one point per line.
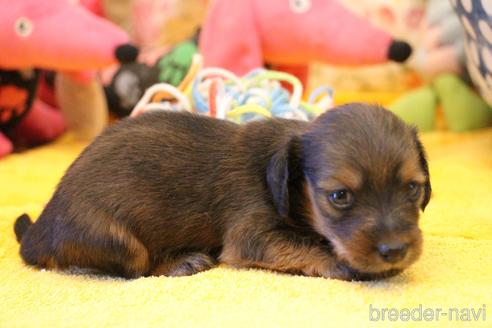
[392, 252]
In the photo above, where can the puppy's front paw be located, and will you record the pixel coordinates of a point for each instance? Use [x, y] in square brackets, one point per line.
[342, 271]
[364, 276]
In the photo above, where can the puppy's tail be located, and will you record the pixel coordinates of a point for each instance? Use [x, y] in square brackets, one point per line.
[22, 224]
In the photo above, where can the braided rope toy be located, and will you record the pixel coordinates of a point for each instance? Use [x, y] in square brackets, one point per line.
[219, 93]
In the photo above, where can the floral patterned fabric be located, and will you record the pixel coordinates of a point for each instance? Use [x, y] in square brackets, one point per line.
[476, 18]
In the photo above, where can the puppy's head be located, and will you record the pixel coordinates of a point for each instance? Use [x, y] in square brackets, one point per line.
[364, 175]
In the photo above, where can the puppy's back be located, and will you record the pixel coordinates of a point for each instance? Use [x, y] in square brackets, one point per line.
[150, 171]
[171, 177]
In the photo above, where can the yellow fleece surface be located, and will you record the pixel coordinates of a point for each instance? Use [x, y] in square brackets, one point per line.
[455, 270]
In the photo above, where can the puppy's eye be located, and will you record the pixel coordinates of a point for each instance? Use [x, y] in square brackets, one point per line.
[341, 199]
[414, 191]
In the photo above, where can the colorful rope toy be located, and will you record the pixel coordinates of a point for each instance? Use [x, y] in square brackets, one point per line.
[219, 93]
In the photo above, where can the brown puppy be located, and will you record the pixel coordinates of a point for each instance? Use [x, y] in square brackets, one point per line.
[173, 193]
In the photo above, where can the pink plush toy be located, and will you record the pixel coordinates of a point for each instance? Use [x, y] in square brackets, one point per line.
[240, 35]
[53, 35]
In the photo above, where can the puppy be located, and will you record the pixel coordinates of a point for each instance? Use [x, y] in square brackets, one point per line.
[175, 193]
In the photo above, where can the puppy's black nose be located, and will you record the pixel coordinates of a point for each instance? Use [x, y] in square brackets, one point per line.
[392, 253]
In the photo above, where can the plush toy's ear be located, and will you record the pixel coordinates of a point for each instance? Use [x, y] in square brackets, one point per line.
[425, 168]
[283, 173]
[230, 37]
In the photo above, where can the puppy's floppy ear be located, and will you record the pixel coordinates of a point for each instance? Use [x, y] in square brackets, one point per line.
[282, 173]
[425, 168]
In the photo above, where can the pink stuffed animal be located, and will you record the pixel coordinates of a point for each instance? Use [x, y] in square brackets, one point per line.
[244, 34]
[54, 35]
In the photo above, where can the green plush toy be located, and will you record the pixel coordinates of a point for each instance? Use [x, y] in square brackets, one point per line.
[442, 60]
[463, 108]
[174, 66]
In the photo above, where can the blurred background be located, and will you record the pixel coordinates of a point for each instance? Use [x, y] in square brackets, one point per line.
[77, 64]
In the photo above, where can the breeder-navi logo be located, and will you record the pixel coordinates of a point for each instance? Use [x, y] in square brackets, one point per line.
[421, 313]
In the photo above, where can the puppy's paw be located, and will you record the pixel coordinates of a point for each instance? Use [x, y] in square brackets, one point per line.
[343, 271]
[364, 276]
[184, 265]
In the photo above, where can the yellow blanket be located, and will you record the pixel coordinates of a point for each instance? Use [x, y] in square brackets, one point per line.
[453, 275]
